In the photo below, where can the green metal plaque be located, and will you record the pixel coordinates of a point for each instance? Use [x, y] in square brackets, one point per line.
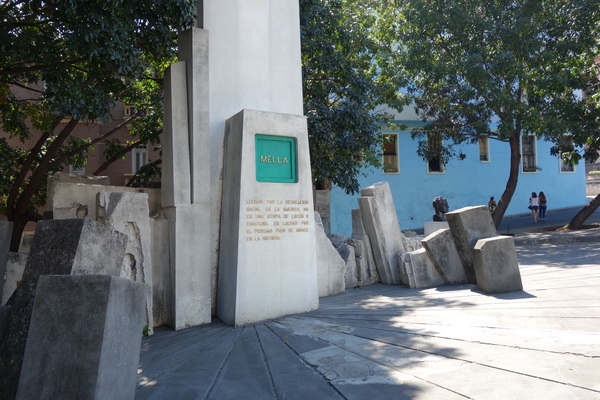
[275, 159]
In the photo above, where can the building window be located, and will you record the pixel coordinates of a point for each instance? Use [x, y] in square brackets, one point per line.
[484, 149]
[140, 158]
[528, 149]
[567, 142]
[128, 111]
[391, 162]
[435, 162]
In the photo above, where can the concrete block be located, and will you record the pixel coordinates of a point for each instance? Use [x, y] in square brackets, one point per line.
[5, 236]
[191, 273]
[84, 340]
[330, 265]
[77, 200]
[468, 225]
[496, 265]
[364, 251]
[350, 276]
[442, 252]
[432, 226]
[14, 274]
[25, 244]
[267, 261]
[161, 270]
[322, 206]
[128, 213]
[381, 224]
[421, 269]
[60, 247]
[176, 181]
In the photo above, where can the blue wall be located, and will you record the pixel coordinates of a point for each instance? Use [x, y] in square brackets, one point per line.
[466, 182]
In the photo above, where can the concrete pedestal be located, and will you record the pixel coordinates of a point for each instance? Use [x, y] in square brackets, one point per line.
[267, 263]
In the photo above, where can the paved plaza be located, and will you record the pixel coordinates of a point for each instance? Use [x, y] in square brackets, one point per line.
[391, 342]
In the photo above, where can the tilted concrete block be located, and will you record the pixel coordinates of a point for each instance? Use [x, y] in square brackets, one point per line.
[381, 224]
[421, 270]
[468, 225]
[85, 339]
[14, 274]
[363, 250]
[442, 252]
[60, 247]
[496, 265]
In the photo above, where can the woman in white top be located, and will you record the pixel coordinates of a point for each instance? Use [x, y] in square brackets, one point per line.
[534, 204]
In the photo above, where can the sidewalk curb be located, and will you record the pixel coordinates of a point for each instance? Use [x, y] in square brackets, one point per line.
[579, 236]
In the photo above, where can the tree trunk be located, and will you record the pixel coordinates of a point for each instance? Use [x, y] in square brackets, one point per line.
[583, 214]
[17, 232]
[513, 178]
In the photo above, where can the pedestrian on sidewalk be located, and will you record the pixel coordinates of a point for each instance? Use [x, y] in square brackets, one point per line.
[534, 205]
[543, 205]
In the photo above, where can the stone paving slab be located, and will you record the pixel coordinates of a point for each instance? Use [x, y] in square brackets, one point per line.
[392, 342]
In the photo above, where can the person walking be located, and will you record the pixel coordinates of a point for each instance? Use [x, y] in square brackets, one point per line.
[543, 205]
[534, 205]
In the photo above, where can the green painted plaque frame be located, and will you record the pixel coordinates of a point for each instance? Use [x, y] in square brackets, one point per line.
[276, 159]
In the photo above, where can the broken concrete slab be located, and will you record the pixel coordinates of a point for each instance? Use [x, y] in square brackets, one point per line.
[420, 269]
[496, 265]
[330, 265]
[6, 228]
[84, 339]
[60, 247]
[432, 226]
[14, 274]
[468, 225]
[128, 213]
[363, 250]
[442, 252]
[382, 226]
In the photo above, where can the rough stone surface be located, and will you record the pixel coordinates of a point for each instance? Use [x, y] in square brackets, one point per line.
[78, 200]
[5, 234]
[161, 270]
[322, 206]
[25, 244]
[432, 226]
[442, 252]
[420, 269]
[382, 226]
[128, 213]
[14, 273]
[363, 250]
[468, 225]
[85, 338]
[496, 265]
[60, 247]
[330, 265]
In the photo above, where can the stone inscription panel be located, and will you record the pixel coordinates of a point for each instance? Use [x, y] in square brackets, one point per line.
[275, 219]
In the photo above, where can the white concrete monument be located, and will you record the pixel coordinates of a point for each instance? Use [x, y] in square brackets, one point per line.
[267, 263]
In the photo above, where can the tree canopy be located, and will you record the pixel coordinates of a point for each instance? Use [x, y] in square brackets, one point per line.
[72, 60]
[501, 69]
[347, 78]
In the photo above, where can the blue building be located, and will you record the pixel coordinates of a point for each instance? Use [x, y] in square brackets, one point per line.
[468, 181]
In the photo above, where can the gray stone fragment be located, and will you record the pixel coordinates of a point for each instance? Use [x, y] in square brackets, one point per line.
[468, 225]
[85, 339]
[330, 265]
[5, 235]
[381, 224]
[496, 265]
[363, 250]
[442, 252]
[128, 213]
[422, 272]
[14, 274]
[60, 247]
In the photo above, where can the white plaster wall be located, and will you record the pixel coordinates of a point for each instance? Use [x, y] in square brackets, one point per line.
[254, 63]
